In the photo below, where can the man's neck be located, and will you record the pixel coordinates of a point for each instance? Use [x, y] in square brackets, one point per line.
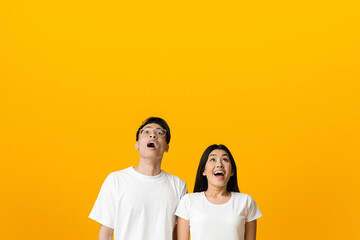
[149, 167]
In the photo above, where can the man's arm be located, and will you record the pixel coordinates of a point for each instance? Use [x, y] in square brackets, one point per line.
[183, 229]
[250, 230]
[105, 233]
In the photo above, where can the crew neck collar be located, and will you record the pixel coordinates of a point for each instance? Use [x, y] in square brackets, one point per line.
[218, 205]
[146, 177]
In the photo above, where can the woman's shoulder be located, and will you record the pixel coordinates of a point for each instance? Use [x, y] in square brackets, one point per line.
[242, 196]
[193, 196]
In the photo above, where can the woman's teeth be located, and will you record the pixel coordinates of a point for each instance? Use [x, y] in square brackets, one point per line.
[219, 173]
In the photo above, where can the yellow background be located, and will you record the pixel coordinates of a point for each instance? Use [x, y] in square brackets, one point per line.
[275, 81]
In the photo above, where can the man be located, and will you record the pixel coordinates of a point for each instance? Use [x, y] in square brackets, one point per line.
[138, 203]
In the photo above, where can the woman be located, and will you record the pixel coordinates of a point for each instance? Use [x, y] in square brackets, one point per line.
[217, 209]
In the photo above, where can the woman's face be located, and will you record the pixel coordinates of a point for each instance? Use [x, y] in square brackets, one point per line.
[218, 169]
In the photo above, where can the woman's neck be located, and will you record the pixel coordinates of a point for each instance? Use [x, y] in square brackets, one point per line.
[217, 195]
[216, 192]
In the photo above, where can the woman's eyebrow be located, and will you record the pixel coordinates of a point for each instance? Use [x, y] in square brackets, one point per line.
[225, 154]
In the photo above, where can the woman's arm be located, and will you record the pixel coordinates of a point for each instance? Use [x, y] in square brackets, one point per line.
[183, 229]
[250, 230]
[105, 233]
[175, 232]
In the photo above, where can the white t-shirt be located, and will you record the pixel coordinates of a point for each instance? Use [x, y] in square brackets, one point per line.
[213, 222]
[139, 207]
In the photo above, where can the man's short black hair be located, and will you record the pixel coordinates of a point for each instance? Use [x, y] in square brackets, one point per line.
[158, 121]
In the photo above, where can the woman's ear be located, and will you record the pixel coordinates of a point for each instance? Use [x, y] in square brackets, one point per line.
[136, 145]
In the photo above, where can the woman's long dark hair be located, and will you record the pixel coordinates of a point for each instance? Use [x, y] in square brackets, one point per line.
[201, 183]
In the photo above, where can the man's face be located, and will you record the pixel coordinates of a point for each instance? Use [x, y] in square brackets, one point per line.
[152, 141]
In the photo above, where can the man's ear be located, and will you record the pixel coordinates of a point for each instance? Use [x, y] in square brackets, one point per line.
[136, 145]
[167, 148]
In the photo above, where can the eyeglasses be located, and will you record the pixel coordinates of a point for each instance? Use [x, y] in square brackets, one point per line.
[158, 132]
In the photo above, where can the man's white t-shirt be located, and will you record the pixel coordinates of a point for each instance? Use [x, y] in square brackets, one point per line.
[139, 207]
[212, 221]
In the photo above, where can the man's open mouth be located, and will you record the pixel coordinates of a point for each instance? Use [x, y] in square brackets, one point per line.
[151, 145]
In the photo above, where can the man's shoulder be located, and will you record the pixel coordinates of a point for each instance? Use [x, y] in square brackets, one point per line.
[174, 178]
[120, 173]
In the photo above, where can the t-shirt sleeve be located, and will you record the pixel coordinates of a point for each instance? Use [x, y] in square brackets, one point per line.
[104, 208]
[253, 211]
[183, 189]
[183, 208]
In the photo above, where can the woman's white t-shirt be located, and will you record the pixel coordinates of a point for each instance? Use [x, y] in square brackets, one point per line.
[212, 221]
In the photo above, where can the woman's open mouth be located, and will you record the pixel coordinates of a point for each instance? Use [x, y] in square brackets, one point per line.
[219, 174]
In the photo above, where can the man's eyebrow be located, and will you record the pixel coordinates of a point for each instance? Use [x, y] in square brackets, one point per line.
[155, 128]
